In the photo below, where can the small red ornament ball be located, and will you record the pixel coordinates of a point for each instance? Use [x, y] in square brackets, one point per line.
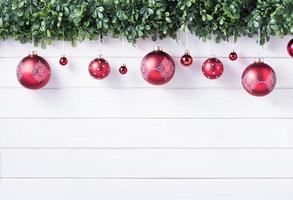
[33, 72]
[157, 67]
[233, 56]
[99, 68]
[123, 69]
[63, 61]
[212, 68]
[186, 60]
[259, 79]
[290, 47]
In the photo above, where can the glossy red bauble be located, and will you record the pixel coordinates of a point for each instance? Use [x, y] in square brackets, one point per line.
[212, 68]
[233, 56]
[33, 72]
[186, 60]
[290, 47]
[157, 67]
[123, 69]
[63, 61]
[259, 79]
[99, 68]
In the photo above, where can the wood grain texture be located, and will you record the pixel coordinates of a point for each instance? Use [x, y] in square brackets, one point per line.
[146, 133]
[121, 138]
[144, 103]
[146, 189]
[117, 163]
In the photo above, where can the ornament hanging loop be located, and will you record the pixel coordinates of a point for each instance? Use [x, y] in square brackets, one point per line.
[186, 42]
[259, 57]
[233, 41]
[33, 51]
[123, 51]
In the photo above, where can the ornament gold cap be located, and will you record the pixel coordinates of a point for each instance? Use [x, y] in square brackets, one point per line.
[258, 60]
[186, 52]
[158, 48]
[33, 53]
[213, 55]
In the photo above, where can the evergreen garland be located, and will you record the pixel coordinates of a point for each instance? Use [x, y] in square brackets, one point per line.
[77, 20]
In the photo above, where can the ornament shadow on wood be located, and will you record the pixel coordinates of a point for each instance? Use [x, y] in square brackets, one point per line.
[157, 67]
[33, 71]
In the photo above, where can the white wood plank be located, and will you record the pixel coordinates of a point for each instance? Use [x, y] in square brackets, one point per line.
[76, 74]
[245, 46]
[113, 163]
[144, 103]
[146, 133]
[146, 189]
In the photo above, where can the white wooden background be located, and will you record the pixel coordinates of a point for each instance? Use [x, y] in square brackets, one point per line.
[121, 138]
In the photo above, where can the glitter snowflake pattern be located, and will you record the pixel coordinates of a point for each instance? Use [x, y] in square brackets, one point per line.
[251, 84]
[40, 71]
[166, 68]
[19, 72]
[144, 68]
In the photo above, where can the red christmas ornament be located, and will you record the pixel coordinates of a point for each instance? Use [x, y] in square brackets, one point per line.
[212, 68]
[186, 60]
[123, 69]
[99, 68]
[233, 56]
[33, 72]
[259, 79]
[63, 61]
[290, 47]
[157, 67]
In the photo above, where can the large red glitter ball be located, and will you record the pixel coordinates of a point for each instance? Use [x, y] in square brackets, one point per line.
[33, 72]
[290, 47]
[99, 68]
[157, 67]
[259, 79]
[212, 68]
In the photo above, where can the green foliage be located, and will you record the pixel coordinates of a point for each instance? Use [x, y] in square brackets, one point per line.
[77, 20]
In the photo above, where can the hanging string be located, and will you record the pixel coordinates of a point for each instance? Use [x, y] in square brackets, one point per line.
[157, 38]
[123, 50]
[259, 45]
[99, 46]
[63, 42]
[233, 42]
[33, 42]
[186, 41]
